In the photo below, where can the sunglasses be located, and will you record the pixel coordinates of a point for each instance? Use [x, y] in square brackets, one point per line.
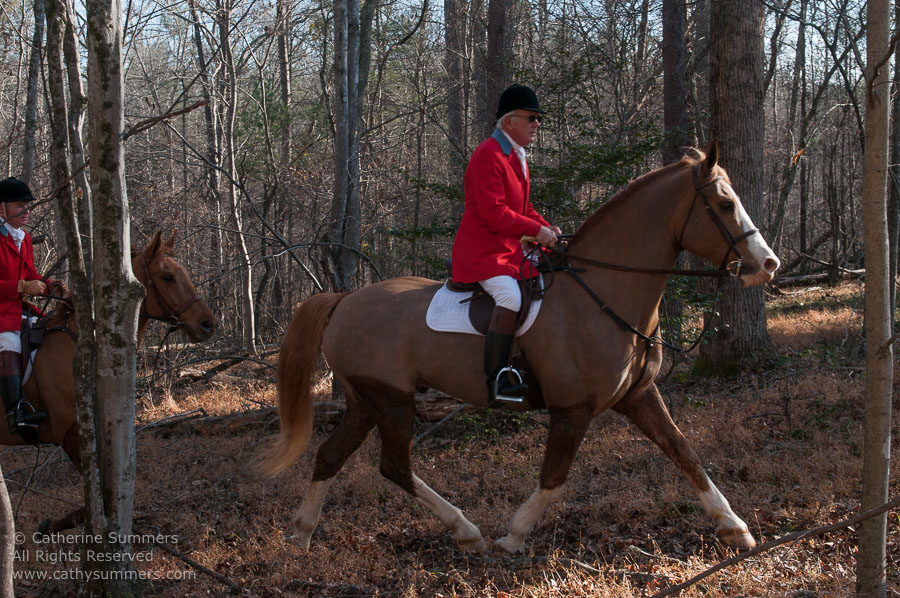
[531, 117]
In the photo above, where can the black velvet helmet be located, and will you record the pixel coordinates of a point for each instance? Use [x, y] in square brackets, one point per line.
[12, 189]
[518, 97]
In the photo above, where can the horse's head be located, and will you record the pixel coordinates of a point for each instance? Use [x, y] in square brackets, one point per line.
[171, 296]
[718, 227]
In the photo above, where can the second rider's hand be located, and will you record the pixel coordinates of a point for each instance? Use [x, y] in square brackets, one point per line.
[32, 287]
[547, 236]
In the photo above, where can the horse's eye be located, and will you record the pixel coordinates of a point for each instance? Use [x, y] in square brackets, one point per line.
[727, 207]
[168, 277]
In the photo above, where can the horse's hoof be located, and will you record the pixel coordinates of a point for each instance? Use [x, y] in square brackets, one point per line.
[300, 540]
[509, 544]
[736, 537]
[472, 545]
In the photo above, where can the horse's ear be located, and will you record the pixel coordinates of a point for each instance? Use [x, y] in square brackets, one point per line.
[171, 242]
[712, 154]
[153, 246]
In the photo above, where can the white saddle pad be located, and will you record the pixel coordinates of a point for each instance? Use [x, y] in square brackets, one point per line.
[446, 313]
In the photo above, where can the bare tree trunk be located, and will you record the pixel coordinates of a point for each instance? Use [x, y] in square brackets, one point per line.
[894, 179]
[56, 98]
[345, 208]
[871, 563]
[498, 59]
[454, 36]
[245, 290]
[31, 101]
[283, 23]
[674, 83]
[77, 105]
[736, 94]
[109, 434]
[7, 542]
[213, 153]
[698, 104]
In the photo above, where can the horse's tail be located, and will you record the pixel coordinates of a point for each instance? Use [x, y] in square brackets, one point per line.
[299, 354]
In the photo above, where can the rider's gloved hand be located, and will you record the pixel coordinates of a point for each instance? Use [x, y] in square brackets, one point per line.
[547, 236]
[32, 287]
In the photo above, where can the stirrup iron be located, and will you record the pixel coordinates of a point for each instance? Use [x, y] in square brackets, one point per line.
[496, 384]
[24, 406]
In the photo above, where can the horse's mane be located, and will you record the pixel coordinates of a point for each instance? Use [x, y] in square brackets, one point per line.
[694, 157]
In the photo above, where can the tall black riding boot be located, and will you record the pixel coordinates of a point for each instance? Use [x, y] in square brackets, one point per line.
[497, 346]
[19, 413]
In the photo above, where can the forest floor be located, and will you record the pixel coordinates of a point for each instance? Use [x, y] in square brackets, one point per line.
[783, 445]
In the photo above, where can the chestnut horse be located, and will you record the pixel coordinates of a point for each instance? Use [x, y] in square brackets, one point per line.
[377, 344]
[171, 298]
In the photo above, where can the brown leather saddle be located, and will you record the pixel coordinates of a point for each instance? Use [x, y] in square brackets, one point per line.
[481, 304]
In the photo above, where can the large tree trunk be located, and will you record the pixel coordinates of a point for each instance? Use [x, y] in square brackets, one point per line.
[737, 121]
[871, 563]
[109, 434]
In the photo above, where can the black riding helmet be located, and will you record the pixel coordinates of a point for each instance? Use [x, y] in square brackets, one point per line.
[12, 189]
[518, 97]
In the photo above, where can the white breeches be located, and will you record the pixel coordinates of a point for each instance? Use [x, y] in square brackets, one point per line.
[505, 291]
[11, 341]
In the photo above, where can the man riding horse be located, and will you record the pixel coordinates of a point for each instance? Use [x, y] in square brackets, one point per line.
[18, 279]
[497, 215]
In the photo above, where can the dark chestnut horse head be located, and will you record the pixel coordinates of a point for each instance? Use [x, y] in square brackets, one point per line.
[592, 347]
[171, 297]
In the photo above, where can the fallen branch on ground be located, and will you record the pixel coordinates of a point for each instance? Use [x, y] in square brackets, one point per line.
[235, 588]
[816, 531]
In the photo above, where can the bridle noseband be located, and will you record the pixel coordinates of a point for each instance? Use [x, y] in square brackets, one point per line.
[172, 316]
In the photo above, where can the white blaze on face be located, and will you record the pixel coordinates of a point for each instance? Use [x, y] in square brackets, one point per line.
[757, 248]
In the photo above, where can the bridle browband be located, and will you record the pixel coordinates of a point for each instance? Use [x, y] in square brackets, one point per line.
[171, 316]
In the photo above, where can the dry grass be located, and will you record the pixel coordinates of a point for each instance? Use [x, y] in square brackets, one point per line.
[784, 445]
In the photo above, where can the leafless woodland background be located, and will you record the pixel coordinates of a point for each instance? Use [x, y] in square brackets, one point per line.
[264, 70]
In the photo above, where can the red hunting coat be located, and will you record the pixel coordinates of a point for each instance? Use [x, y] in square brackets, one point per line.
[15, 265]
[497, 214]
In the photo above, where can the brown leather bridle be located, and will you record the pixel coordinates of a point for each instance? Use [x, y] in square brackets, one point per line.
[732, 268]
[172, 316]
[726, 268]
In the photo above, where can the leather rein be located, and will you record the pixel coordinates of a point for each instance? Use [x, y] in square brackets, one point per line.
[726, 268]
[172, 317]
